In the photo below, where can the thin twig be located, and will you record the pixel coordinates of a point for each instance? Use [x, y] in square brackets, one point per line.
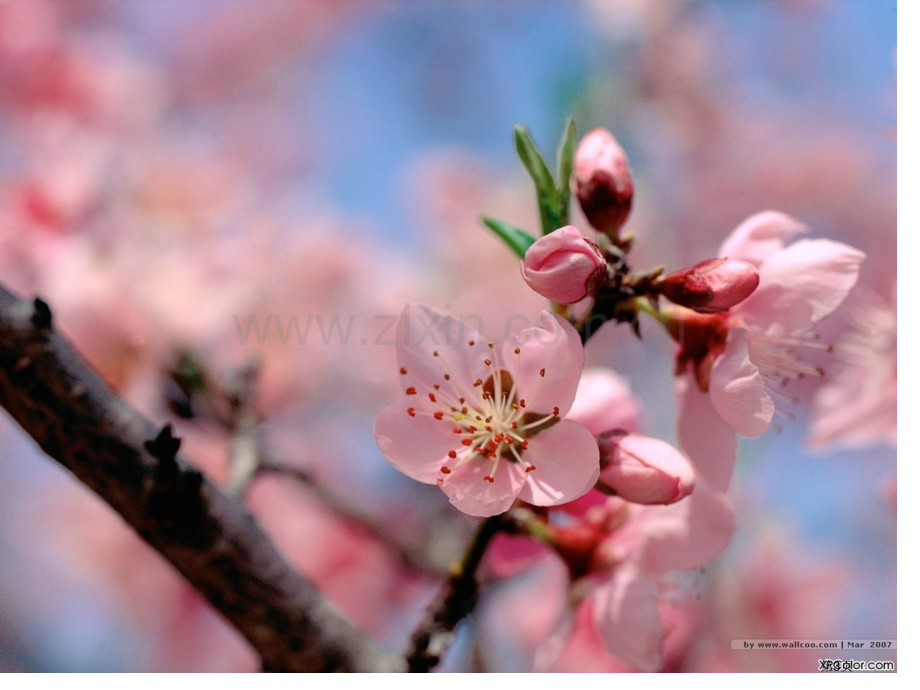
[454, 602]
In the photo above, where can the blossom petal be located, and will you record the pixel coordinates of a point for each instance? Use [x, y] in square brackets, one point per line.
[422, 332]
[737, 390]
[551, 346]
[416, 446]
[705, 437]
[471, 493]
[801, 285]
[567, 464]
[760, 236]
[604, 402]
[687, 534]
[626, 612]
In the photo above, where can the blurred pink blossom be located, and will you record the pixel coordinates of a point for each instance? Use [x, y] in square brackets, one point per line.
[749, 354]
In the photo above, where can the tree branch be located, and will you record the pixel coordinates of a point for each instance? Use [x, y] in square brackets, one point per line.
[209, 538]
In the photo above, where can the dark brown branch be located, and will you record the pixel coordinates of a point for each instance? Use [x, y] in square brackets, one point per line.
[454, 602]
[209, 538]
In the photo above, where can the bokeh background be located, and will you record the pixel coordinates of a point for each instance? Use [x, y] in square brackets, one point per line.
[170, 170]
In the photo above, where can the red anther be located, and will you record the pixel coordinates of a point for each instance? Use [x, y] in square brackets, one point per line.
[530, 468]
[435, 353]
[403, 371]
[488, 420]
[488, 428]
[462, 400]
[514, 425]
[480, 450]
[504, 394]
[521, 403]
[411, 390]
[498, 437]
[491, 345]
[517, 350]
[524, 444]
[454, 409]
[555, 412]
[491, 456]
[447, 377]
[472, 429]
[411, 411]
[452, 454]
[437, 386]
[440, 480]
[478, 418]
[477, 382]
[464, 410]
[489, 479]
[492, 445]
[445, 470]
[467, 442]
[488, 362]
[439, 415]
[508, 439]
[472, 342]
[486, 395]
[432, 398]
[543, 372]
[458, 431]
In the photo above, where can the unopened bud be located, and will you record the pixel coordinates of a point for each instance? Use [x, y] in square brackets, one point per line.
[644, 470]
[564, 266]
[603, 181]
[711, 286]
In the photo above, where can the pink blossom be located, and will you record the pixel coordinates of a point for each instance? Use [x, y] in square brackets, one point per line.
[603, 181]
[711, 286]
[859, 404]
[746, 356]
[604, 402]
[644, 470]
[625, 584]
[487, 424]
[564, 266]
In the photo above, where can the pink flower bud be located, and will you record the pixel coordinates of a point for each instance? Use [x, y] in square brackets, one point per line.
[603, 182]
[711, 286]
[644, 470]
[564, 266]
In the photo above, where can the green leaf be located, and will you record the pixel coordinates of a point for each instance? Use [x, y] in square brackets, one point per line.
[564, 168]
[547, 195]
[519, 240]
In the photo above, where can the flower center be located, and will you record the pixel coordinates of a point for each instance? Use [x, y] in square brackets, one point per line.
[780, 362]
[494, 426]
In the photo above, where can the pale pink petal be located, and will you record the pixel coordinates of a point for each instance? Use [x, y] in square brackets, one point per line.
[604, 402]
[760, 236]
[685, 535]
[416, 446]
[737, 390]
[801, 285]
[549, 364]
[422, 332]
[705, 437]
[471, 493]
[566, 462]
[626, 612]
[550, 649]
